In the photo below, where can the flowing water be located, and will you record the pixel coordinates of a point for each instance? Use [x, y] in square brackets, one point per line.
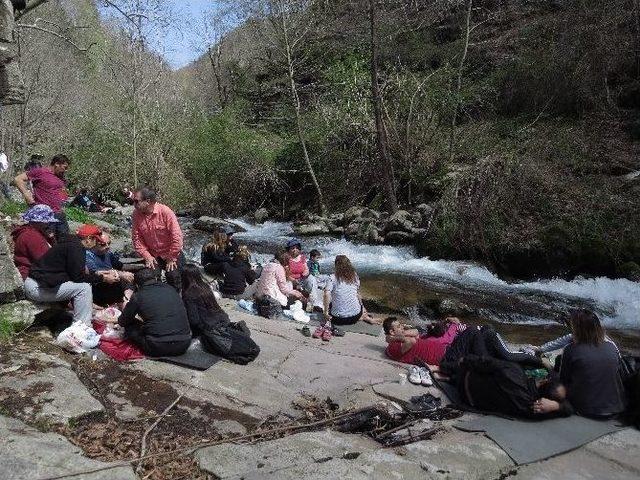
[399, 280]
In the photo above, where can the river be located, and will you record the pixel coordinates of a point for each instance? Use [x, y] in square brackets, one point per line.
[395, 278]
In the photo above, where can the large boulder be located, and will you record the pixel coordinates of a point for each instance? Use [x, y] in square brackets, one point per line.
[213, 224]
[352, 214]
[261, 215]
[21, 313]
[398, 238]
[401, 221]
[426, 212]
[10, 279]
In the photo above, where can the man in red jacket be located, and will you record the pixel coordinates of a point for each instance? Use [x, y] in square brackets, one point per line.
[34, 239]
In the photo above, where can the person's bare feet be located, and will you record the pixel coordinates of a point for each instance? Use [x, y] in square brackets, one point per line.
[367, 317]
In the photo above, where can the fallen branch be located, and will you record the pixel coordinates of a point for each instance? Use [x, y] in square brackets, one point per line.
[143, 446]
[290, 429]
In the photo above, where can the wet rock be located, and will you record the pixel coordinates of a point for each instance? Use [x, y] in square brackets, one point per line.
[26, 453]
[261, 215]
[311, 229]
[11, 283]
[426, 212]
[337, 219]
[352, 214]
[398, 238]
[44, 388]
[401, 221]
[335, 230]
[213, 224]
[451, 306]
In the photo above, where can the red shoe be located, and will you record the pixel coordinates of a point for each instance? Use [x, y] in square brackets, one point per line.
[318, 332]
[326, 335]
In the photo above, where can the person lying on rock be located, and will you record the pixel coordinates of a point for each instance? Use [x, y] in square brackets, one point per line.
[34, 239]
[446, 345]
[101, 259]
[406, 345]
[500, 386]
[162, 328]
[61, 274]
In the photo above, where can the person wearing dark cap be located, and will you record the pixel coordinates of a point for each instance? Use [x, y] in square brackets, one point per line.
[61, 274]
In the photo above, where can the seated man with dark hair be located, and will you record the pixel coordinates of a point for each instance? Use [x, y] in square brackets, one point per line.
[164, 326]
[499, 386]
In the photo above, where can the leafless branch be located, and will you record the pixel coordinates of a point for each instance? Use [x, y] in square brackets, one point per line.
[55, 34]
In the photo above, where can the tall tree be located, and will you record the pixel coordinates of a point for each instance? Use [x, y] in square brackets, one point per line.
[388, 182]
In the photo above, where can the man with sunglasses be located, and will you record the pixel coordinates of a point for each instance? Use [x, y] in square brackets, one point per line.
[157, 236]
[101, 259]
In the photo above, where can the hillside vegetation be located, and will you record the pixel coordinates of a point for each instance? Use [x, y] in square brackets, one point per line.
[517, 119]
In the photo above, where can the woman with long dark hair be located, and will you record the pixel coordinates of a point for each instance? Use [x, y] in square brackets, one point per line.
[214, 254]
[202, 307]
[589, 368]
[208, 320]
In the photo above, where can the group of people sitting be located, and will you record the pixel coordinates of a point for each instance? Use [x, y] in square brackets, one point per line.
[489, 377]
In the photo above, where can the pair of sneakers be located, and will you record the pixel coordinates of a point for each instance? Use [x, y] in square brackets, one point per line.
[324, 332]
[419, 376]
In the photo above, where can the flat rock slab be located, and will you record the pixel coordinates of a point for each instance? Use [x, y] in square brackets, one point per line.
[44, 388]
[329, 454]
[28, 454]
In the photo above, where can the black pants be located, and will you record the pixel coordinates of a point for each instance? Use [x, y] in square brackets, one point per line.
[174, 277]
[109, 293]
[346, 320]
[154, 346]
[483, 343]
[61, 228]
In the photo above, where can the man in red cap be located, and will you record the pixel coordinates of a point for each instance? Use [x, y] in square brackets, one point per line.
[61, 274]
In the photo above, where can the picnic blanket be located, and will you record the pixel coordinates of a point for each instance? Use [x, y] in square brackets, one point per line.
[527, 441]
[195, 357]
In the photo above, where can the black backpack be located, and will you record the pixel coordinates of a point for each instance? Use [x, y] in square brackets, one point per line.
[268, 307]
[231, 342]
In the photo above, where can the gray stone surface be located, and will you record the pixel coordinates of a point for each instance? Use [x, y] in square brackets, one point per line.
[311, 229]
[10, 279]
[329, 454]
[261, 215]
[27, 454]
[21, 312]
[45, 389]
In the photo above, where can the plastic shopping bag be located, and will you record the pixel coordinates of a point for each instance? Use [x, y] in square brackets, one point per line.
[78, 338]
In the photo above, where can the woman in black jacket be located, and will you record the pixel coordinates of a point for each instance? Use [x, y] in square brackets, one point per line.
[207, 319]
[214, 254]
[237, 273]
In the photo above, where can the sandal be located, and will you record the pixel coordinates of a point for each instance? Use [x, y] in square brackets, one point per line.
[318, 332]
[305, 331]
[326, 335]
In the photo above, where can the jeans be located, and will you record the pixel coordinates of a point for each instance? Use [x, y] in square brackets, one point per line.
[80, 293]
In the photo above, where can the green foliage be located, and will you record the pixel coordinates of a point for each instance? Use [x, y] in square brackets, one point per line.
[228, 164]
[12, 208]
[75, 214]
[8, 328]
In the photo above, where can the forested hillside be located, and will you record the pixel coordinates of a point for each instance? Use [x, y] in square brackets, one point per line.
[518, 120]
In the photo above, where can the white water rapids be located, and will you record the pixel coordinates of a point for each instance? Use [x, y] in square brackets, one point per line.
[617, 300]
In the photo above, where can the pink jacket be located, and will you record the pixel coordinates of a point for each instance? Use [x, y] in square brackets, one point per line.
[157, 234]
[273, 282]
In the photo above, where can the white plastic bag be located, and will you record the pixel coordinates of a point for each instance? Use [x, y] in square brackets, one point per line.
[78, 338]
[107, 315]
[112, 332]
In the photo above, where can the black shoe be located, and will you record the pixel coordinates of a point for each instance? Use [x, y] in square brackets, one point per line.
[305, 331]
[336, 332]
[424, 403]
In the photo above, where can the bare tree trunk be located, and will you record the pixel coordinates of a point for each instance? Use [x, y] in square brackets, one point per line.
[636, 11]
[296, 105]
[463, 57]
[381, 139]
[214, 60]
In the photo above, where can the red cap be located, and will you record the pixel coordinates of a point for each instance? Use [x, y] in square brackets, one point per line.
[88, 231]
